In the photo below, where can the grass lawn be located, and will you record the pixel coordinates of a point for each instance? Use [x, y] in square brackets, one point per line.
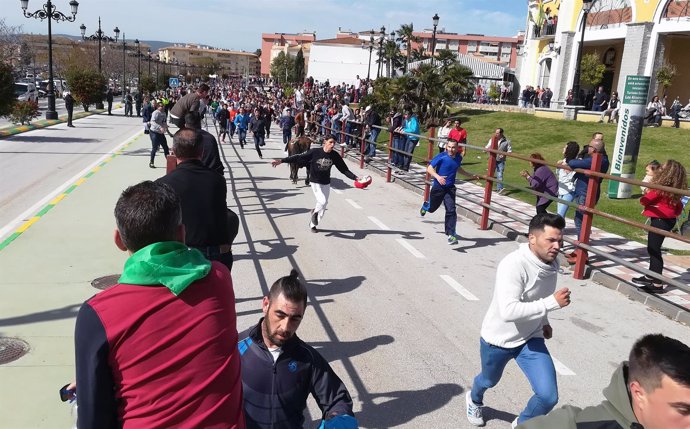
[530, 134]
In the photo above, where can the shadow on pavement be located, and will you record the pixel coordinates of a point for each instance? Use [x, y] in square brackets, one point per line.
[360, 234]
[53, 139]
[333, 351]
[479, 243]
[277, 250]
[270, 195]
[66, 312]
[400, 407]
[492, 414]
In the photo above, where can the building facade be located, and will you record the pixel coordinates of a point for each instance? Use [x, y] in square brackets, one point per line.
[233, 63]
[341, 60]
[630, 37]
[498, 50]
[273, 43]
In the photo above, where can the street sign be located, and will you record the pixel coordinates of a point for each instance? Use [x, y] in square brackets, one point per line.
[173, 82]
[629, 134]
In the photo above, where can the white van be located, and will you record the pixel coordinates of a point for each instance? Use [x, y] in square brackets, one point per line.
[25, 91]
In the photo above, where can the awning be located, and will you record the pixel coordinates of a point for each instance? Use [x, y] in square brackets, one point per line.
[480, 69]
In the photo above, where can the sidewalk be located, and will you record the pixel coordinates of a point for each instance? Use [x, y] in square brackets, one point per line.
[675, 303]
[43, 123]
[47, 274]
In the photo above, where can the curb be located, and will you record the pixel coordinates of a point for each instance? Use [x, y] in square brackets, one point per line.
[668, 309]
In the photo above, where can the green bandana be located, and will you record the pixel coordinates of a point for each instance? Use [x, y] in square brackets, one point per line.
[169, 263]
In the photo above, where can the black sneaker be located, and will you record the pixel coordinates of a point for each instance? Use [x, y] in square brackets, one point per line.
[315, 218]
[642, 280]
[151, 165]
[653, 289]
[313, 229]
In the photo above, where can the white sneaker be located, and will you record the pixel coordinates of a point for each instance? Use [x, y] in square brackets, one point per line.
[474, 411]
[514, 424]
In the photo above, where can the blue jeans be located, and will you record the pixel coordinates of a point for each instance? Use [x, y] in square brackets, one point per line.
[242, 136]
[348, 130]
[409, 148]
[580, 200]
[534, 360]
[500, 168]
[399, 144]
[258, 141]
[371, 149]
[445, 195]
[562, 209]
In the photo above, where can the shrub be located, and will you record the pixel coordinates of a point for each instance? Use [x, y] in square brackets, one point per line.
[23, 111]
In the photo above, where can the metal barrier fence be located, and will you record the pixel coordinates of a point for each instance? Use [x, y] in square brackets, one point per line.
[582, 243]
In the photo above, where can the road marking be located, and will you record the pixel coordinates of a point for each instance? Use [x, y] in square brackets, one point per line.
[416, 253]
[459, 288]
[30, 216]
[379, 223]
[353, 204]
[560, 368]
[337, 191]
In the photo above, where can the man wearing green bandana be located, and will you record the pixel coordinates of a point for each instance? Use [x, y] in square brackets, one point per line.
[158, 349]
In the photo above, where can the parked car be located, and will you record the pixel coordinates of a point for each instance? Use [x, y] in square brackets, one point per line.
[25, 91]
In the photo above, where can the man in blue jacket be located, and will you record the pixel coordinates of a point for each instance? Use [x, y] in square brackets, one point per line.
[279, 370]
[242, 124]
[582, 180]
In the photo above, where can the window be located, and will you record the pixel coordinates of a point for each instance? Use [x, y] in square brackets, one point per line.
[609, 14]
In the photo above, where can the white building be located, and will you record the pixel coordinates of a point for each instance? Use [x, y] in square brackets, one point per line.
[342, 60]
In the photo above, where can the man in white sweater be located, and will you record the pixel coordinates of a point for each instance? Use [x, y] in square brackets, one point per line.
[516, 323]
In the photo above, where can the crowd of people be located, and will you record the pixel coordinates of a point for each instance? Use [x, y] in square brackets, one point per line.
[161, 348]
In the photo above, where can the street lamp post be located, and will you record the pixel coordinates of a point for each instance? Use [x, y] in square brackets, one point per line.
[99, 35]
[136, 42]
[50, 13]
[433, 37]
[390, 71]
[148, 60]
[586, 7]
[124, 65]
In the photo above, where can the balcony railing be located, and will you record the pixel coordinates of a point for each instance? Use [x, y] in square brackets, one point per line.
[544, 31]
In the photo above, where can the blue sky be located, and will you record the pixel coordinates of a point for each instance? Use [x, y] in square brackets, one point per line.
[238, 25]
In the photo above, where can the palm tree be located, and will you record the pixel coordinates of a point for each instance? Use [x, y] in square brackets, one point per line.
[406, 37]
[446, 57]
[393, 58]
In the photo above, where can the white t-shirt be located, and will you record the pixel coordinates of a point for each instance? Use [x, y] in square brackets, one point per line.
[275, 353]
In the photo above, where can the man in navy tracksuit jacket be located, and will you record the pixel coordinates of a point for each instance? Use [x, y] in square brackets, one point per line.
[279, 370]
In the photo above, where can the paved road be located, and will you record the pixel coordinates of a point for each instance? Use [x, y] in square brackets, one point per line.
[35, 164]
[394, 308]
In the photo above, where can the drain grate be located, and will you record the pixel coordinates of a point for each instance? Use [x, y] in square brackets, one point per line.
[12, 349]
[105, 282]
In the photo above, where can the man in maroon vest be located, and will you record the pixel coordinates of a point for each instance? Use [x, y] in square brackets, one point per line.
[158, 349]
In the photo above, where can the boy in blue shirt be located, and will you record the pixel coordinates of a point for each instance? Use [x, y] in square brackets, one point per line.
[443, 169]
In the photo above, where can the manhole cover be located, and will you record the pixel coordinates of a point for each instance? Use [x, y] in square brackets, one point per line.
[105, 282]
[12, 349]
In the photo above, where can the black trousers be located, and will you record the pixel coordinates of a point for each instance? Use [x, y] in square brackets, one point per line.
[158, 140]
[654, 242]
[542, 208]
[69, 116]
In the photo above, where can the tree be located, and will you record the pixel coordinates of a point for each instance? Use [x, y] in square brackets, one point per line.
[446, 57]
[299, 67]
[419, 54]
[406, 36]
[258, 53]
[394, 60]
[23, 111]
[87, 86]
[7, 96]
[665, 75]
[283, 68]
[147, 84]
[162, 81]
[9, 42]
[26, 55]
[591, 69]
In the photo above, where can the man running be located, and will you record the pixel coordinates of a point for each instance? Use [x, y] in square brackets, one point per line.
[319, 161]
[443, 168]
[516, 324]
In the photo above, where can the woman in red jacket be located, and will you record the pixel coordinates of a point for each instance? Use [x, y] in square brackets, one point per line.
[662, 208]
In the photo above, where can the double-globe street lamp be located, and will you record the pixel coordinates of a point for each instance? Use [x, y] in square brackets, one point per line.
[586, 7]
[435, 20]
[50, 13]
[100, 36]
